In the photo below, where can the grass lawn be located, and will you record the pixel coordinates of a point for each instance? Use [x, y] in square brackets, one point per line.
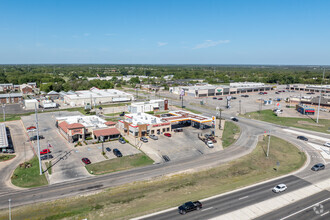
[5, 157]
[49, 167]
[120, 163]
[229, 132]
[188, 109]
[29, 177]
[304, 123]
[144, 197]
[10, 118]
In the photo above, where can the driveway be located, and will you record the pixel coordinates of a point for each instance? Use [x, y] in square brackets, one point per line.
[66, 165]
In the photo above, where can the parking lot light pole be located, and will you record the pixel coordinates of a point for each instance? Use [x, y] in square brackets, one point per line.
[102, 139]
[38, 142]
[268, 144]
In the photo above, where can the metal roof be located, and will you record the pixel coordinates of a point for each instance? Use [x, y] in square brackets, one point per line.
[10, 95]
[3, 136]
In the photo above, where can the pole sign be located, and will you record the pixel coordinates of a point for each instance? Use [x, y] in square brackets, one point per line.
[182, 93]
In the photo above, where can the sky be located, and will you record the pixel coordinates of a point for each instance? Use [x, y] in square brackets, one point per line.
[275, 32]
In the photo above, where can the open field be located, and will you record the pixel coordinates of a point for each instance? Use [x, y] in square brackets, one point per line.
[304, 123]
[5, 157]
[144, 197]
[29, 177]
[229, 132]
[118, 164]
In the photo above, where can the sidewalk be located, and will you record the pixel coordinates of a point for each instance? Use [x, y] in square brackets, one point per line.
[261, 208]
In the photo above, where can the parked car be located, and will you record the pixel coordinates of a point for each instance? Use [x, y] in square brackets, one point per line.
[265, 93]
[210, 144]
[122, 114]
[35, 137]
[178, 130]
[234, 119]
[189, 206]
[214, 97]
[8, 151]
[121, 140]
[45, 151]
[117, 152]
[166, 158]
[317, 167]
[144, 139]
[233, 97]
[85, 160]
[108, 149]
[302, 138]
[31, 128]
[167, 134]
[153, 137]
[260, 93]
[245, 96]
[220, 98]
[327, 144]
[279, 188]
[277, 93]
[46, 157]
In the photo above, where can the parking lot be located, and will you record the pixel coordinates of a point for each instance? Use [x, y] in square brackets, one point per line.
[180, 145]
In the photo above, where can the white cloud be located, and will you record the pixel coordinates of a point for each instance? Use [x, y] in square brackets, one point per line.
[210, 43]
[160, 44]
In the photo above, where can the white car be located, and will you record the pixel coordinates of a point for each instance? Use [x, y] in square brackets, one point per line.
[279, 188]
[327, 144]
[210, 144]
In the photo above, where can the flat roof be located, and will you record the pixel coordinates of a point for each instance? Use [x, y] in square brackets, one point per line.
[181, 115]
[86, 121]
[97, 93]
[3, 136]
[142, 118]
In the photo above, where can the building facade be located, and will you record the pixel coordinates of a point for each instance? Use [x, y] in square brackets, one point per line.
[149, 106]
[9, 98]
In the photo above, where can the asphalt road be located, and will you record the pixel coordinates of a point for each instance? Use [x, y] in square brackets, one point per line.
[313, 207]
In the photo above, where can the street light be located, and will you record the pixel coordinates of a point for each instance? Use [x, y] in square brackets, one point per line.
[102, 139]
[4, 111]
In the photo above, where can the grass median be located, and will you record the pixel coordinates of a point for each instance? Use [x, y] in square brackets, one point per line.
[28, 176]
[230, 133]
[139, 198]
[118, 164]
[304, 123]
[6, 157]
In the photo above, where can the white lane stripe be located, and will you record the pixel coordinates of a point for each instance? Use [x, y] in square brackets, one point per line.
[304, 209]
[325, 213]
[308, 135]
[207, 209]
[243, 197]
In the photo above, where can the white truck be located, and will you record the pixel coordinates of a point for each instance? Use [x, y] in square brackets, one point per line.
[210, 144]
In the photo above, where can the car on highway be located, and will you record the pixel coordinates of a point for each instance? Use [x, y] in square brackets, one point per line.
[45, 151]
[302, 138]
[220, 98]
[317, 167]
[46, 157]
[234, 119]
[33, 138]
[210, 144]
[153, 137]
[167, 134]
[121, 140]
[108, 149]
[327, 144]
[144, 139]
[190, 206]
[117, 152]
[279, 188]
[85, 160]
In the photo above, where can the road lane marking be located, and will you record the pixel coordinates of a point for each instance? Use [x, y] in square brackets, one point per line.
[243, 197]
[304, 209]
[325, 213]
[207, 209]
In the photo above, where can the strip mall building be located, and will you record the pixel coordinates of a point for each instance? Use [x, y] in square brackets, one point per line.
[142, 124]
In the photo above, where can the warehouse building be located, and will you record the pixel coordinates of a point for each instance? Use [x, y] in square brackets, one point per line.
[220, 90]
[80, 128]
[149, 106]
[31, 104]
[96, 96]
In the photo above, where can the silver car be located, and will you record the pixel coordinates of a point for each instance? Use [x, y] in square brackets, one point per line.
[153, 137]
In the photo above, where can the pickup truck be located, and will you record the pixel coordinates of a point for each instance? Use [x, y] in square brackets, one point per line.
[189, 206]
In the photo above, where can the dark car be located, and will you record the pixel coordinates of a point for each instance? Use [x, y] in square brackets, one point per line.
[144, 139]
[85, 160]
[319, 166]
[245, 96]
[153, 137]
[122, 114]
[178, 130]
[302, 138]
[117, 152]
[122, 141]
[46, 157]
[234, 119]
[35, 137]
[108, 149]
[277, 93]
[233, 97]
[190, 206]
[214, 97]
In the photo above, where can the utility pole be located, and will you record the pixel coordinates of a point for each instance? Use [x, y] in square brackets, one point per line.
[240, 106]
[38, 142]
[24, 152]
[268, 144]
[4, 112]
[318, 109]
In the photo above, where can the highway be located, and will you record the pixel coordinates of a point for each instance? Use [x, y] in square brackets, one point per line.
[251, 129]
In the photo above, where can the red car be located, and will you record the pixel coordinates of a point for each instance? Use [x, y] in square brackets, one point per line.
[31, 128]
[167, 134]
[86, 160]
[45, 151]
[219, 98]
[265, 92]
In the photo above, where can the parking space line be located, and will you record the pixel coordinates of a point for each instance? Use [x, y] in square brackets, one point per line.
[207, 209]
